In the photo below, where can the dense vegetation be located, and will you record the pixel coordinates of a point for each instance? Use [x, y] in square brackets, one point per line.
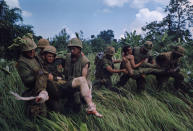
[123, 110]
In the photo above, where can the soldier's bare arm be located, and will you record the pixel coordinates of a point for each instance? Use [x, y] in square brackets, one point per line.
[110, 69]
[117, 61]
[131, 57]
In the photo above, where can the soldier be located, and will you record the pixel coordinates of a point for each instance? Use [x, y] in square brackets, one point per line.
[76, 71]
[33, 77]
[42, 43]
[170, 61]
[107, 69]
[141, 53]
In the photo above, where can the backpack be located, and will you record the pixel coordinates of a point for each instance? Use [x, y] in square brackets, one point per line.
[98, 64]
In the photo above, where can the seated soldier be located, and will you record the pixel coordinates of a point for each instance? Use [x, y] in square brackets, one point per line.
[107, 69]
[63, 88]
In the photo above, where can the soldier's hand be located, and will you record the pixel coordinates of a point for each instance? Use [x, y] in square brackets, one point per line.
[125, 71]
[50, 77]
[171, 70]
[59, 78]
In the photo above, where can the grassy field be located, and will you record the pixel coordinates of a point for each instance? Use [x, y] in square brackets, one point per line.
[123, 111]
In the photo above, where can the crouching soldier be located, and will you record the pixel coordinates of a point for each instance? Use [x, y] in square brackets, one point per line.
[33, 77]
[106, 70]
[170, 61]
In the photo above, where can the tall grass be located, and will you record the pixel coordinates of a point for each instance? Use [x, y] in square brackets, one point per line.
[152, 110]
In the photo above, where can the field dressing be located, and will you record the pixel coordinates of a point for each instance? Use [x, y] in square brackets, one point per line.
[41, 98]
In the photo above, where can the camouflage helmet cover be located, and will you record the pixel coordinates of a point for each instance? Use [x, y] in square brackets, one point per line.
[75, 42]
[28, 44]
[148, 45]
[179, 50]
[50, 49]
[110, 50]
[42, 43]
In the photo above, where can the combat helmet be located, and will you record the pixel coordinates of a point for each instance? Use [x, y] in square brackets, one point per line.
[148, 45]
[28, 44]
[50, 49]
[179, 50]
[75, 42]
[110, 50]
[42, 43]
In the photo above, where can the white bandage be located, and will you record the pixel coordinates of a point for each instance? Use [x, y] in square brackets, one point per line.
[44, 96]
[18, 97]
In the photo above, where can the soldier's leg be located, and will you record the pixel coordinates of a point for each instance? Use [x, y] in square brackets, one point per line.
[33, 109]
[154, 71]
[161, 79]
[81, 82]
[53, 103]
[178, 80]
[85, 92]
[76, 100]
[140, 81]
[97, 82]
[123, 80]
[108, 83]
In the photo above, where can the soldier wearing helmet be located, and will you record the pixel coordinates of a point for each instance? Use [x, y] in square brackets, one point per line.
[76, 67]
[107, 69]
[76, 64]
[42, 43]
[33, 77]
[140, 54]
[170, 62]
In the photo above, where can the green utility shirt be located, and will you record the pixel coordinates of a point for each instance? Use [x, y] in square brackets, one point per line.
[74, 69]
[106, 62]
[138, 56]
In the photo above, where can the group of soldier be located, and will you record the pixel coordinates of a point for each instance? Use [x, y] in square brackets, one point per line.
[52, 79]
[138, 62]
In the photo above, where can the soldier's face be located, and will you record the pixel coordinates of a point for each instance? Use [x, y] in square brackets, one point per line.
[176, 55]
[30, 53]
[50, 57]
[75, 50]
[144, 51]
[129, 50]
